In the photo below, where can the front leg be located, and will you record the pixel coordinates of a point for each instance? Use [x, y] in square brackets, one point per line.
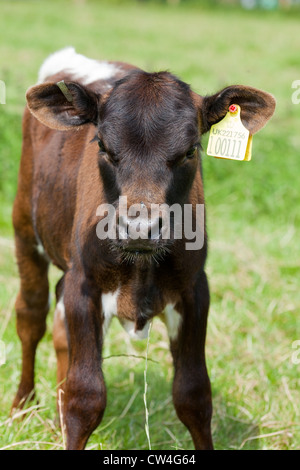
[85, 392]
[191, 386]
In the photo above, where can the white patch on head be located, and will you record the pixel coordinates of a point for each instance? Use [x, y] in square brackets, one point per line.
[109, 308]
[172, 320]
[130, 328]
[60, 309]
[82, 68]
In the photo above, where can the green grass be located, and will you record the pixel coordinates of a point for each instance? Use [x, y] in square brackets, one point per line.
[253, 222]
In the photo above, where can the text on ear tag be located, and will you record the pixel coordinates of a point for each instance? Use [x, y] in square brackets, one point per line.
[229, 138]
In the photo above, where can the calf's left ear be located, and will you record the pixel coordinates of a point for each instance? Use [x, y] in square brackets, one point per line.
[257, 107]
[63, 105]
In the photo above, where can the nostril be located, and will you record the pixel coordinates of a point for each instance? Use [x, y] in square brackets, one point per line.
[121, 221]
[130, 227]
[160, 224]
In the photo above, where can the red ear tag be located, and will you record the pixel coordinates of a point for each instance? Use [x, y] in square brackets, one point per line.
[233, 108]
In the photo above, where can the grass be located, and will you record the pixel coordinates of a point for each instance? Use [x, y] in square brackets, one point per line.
[253, 222]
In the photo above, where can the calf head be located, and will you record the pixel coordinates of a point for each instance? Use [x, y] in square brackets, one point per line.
[148, 128]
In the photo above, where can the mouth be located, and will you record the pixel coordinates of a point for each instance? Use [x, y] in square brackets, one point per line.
[134, 253]
[139, 250]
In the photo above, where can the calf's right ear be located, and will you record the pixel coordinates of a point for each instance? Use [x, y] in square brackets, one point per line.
[63, 105]
[257, 107]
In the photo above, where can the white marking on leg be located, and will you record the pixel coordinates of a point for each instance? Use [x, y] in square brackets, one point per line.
[60, 309]
[173, 321]
[40, 249]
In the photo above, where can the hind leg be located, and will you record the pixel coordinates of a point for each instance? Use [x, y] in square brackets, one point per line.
[32, 306]
[60, 342]
[191, 386]
[60, 336]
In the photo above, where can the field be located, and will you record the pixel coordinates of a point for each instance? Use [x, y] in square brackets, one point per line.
[253, 224]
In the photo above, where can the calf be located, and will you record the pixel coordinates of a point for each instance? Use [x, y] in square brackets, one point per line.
[93, 133]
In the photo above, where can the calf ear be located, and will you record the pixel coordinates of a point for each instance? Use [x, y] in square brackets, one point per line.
[257, 107]
[62, 106]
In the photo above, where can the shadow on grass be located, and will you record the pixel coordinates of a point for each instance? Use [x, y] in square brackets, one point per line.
[123, 426]
[231, 431]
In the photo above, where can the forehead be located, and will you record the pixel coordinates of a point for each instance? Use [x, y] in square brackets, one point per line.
[150, 109]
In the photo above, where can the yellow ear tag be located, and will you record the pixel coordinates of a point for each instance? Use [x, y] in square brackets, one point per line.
[229, 138]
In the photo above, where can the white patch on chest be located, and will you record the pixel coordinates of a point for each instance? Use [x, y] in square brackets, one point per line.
[129, 327]
[82, 68]
[172, 320]
[109, 308]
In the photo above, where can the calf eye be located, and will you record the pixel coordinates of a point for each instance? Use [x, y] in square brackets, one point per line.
[101, 145]
[191, 152]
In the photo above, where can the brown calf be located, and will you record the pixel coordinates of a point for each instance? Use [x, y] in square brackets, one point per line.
[108, 131]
